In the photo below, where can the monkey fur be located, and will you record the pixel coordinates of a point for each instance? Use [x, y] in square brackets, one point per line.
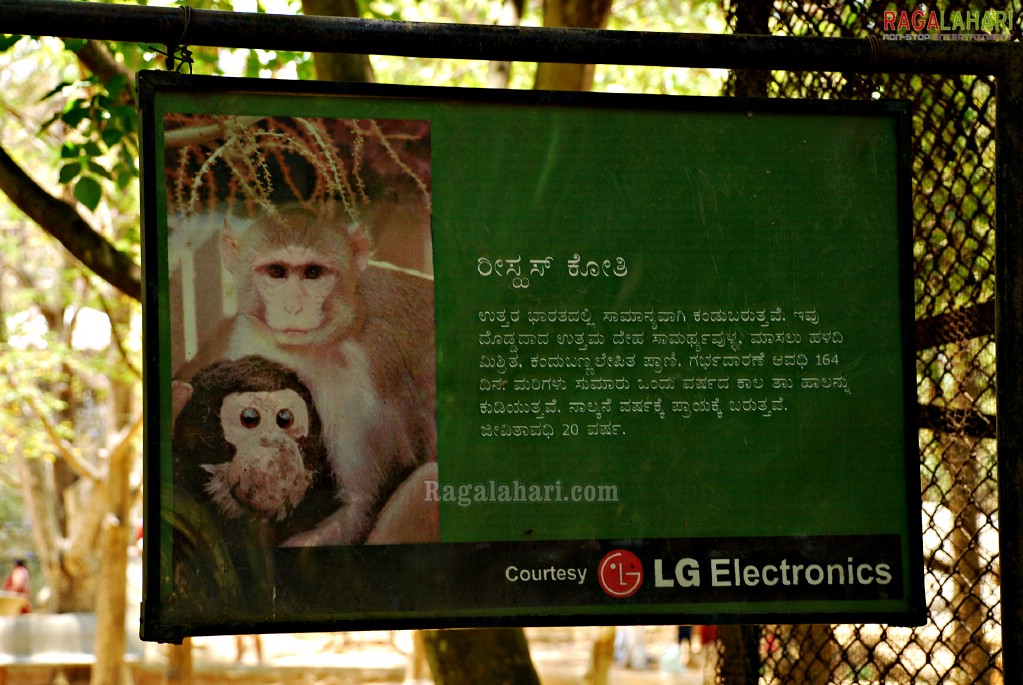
[280, 477]
[235, 498]
[361, 337]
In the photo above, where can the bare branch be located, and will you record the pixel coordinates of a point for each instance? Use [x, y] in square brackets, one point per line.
[125, 439]
[81, 468]
[118, 338]
[63, 222]
[197, 135]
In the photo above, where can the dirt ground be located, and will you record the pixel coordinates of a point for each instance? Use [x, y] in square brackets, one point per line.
[561, 656]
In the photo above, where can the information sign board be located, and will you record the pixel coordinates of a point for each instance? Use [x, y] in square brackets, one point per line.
[444, 357]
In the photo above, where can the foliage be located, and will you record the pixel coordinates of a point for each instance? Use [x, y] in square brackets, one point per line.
[99, 125]
[15, 533]
[69, 341]
[99, 120]
[694, 16]
[256, 162]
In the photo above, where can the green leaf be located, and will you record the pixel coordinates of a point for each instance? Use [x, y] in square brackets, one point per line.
[116, 83]
[7, 42]
[69, 171]
[125, 179]
[74, 44]
[74, 115]
[61, 86]
[99, 170]
[88, 192]
[111, 136]
[126, 113]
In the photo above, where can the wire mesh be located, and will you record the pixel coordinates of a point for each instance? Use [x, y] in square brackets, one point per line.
[953, 149]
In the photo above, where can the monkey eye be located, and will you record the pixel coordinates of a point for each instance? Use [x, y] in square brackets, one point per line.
[277, 271]
[285, 419]
[249, 417]
[313, 271]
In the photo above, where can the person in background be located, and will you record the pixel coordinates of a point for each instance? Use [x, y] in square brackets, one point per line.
[239, 646]
[19, 582]
[685, 644]
[630, 647]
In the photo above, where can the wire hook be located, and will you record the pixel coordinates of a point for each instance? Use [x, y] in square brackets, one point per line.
[178, 51]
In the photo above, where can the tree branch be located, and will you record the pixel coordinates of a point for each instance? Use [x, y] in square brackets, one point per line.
[97, 59]
[81, 468]
[336, 66]
[125, 439]
[64, 223]
[117, 336]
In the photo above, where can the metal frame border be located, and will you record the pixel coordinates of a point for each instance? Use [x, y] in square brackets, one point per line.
[1003, 60]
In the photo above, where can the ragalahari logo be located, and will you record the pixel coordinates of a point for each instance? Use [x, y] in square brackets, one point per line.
[924, 24]
[620, 573]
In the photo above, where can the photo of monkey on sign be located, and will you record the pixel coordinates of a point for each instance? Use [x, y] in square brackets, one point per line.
[305, 243]
[249, 471]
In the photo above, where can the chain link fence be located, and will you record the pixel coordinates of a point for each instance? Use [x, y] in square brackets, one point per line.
[953, 152]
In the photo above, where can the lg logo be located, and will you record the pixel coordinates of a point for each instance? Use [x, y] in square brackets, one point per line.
[620, 573]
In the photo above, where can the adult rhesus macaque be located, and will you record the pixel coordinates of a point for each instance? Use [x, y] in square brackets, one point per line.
[361, 336]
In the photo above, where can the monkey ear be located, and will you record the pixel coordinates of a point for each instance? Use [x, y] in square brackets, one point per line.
[360, 245]
[228, 246]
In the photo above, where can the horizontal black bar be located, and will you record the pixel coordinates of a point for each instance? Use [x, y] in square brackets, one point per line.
[165, 26]
[958, 421]
[956, 325]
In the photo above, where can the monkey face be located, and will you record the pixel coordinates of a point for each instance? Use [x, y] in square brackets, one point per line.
[296, 276]
[294, 284]
[267, 474]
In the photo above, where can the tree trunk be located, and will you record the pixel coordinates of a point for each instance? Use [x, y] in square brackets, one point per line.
[602, 657]
[335, 66]
[70, 577]
[36, 478]
[961, 456]
[590, 14]
[818, 655]
[115, 536]
[752, 17]
[482, 655]
[740, 655]
[111, 605]
[500, 72]
[179, 663]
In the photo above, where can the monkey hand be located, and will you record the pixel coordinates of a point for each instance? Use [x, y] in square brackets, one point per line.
[409, 516]
[347, 526]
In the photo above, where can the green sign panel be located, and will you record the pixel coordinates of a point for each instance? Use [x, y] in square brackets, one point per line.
[486, 357]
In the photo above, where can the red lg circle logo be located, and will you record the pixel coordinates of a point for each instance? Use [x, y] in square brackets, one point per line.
[620, 573]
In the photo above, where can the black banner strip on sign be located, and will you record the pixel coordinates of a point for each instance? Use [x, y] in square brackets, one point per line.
[511, 577]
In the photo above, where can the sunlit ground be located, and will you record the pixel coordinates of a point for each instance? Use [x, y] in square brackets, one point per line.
[561, 656]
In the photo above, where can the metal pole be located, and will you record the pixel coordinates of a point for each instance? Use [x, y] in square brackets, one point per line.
[1009, 369]
[165, 26]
